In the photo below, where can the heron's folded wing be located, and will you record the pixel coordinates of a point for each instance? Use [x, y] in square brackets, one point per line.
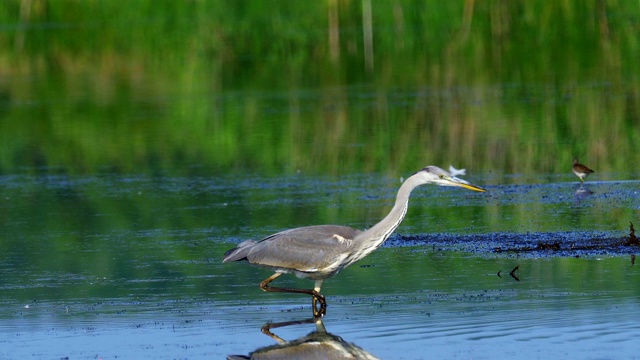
[307, 249]
[239, 252]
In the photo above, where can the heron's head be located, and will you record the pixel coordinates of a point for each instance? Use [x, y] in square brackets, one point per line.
[434, 175]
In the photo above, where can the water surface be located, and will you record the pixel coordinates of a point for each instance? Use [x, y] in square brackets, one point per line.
[95, 261]
[141, 140]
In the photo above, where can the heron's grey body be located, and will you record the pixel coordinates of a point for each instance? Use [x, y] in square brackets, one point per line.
[312, 252]
[321, 251]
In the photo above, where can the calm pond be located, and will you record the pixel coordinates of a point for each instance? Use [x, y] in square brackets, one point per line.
[130, 267]
[143, 139]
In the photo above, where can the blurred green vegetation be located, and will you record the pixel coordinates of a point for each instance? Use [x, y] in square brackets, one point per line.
[205, 87]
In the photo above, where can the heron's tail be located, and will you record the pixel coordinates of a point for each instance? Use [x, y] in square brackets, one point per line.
[239, 252]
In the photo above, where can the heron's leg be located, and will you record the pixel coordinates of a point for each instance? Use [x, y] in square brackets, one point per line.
[318, 297]
[315, 293]
[322, 310]
[265, 286]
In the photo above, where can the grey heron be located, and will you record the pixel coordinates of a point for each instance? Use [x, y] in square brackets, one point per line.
[321, 251]
[580, 170]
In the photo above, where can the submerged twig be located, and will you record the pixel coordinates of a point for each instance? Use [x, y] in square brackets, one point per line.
[513, 273]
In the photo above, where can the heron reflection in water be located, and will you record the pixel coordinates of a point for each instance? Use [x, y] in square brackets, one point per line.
[318, 344]
[319, 252]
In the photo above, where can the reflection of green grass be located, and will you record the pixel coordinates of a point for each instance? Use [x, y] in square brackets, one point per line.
[152, 86]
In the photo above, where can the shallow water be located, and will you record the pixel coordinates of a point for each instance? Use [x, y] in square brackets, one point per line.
[129, 267]
[577, 308]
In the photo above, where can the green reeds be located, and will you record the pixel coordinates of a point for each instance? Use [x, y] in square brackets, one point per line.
[277, 87]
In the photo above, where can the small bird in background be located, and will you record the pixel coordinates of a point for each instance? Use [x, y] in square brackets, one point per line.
[457, 172]
[580, 170]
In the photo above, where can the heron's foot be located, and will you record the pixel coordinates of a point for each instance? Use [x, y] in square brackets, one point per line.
[321, 310]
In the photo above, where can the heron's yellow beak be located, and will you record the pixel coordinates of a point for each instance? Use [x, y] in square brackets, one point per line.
[472, 187]
[461, 183]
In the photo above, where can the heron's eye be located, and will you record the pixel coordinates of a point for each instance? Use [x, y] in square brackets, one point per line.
[441, 176]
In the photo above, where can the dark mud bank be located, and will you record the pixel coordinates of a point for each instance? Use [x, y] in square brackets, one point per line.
[560, 244]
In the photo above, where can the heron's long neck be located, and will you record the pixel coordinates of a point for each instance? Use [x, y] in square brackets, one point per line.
[376, 235]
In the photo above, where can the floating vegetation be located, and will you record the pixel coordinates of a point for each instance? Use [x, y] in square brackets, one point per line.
[565, 244]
